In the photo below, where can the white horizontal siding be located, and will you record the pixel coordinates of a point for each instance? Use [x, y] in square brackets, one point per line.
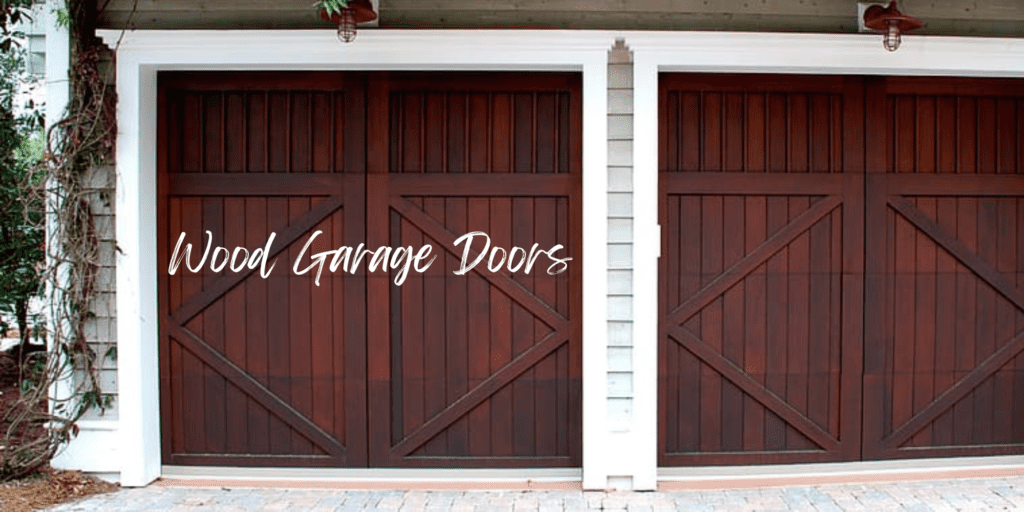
[619, 379]
[620, 178]
[101, 329]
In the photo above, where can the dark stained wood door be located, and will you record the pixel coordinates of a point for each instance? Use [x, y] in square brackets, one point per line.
[444, 370]
[843, 268]
[484, 369]
[254, 371]
[761, 207]
[944, 368]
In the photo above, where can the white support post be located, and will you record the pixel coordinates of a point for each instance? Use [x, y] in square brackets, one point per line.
[596, 460]
[646, 246]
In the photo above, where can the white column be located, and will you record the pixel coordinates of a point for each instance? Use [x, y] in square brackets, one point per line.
[137, 340]
[646, 251]
[596, 461]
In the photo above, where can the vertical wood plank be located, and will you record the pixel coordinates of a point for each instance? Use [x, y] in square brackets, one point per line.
[193, 370]
[278, 124]
[986, 328]
[733, 327]
[691, 151]
[925, 131]
[819, 321]
[669, 136]
[1006, 129]
[945, 134]
[524, 440]
[547, 142]
[776, 287]
[479, 342]
[501, 133]
[456, 143]
[214, 392]
[522, 129]
[778, 132]
[924, 320]
[946, 318]
[235, 132]
[798, 310]
[757, 300]
[820, 133]
[1005, 318]
[754, 135]
[690, 403]
[479, 130]
[192, 117]
[278, 319]
[299, 336]
[256, 133]
[986, 136]
[711, 132]
[256, 294]
[545, 389]
[966, 138]
[456, 329]
[797, 131]
[902, 337]
[966, 319]
[711, 320]
[905, 118]
[501, 335]
[301, 138]
[733, 130]
[435, 121]
[433, 304]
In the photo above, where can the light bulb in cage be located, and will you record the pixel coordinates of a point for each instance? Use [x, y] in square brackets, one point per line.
[892, 38]
[347, 26]
[347, 18]
[891, 22]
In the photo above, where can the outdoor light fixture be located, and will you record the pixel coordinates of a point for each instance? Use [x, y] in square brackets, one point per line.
[357, 11]
[891, 21]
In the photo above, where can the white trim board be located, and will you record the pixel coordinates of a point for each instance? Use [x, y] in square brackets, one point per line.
[853, 54]
[868, 467]
[374, 475]
[141, 54]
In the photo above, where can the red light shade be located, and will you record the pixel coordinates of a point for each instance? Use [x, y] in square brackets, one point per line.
[891, 21]
[358, 11]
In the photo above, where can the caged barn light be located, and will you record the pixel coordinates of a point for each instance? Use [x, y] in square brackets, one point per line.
[346, 15]
[891, 21]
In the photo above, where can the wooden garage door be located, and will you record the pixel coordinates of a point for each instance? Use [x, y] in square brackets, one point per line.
[444, 370]
[944, 369]
[761, 207]
[842, 268]
[503, 157]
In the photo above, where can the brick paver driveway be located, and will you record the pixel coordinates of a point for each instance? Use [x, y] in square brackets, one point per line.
[965, 494]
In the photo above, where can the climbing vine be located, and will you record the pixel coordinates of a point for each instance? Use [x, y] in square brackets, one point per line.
[64, 382]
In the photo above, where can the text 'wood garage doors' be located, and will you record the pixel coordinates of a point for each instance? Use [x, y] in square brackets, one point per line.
[842, 268]
[444, 370]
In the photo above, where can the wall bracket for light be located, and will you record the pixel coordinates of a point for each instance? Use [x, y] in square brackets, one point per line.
[357, 11]
[890, 21]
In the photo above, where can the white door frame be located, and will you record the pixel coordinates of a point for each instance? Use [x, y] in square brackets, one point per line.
[723, 52]
[141, 54]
